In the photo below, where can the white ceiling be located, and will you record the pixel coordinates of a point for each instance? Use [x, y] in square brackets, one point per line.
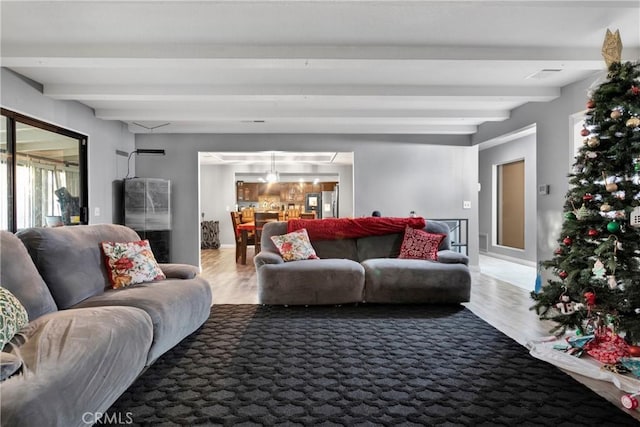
[330, 66]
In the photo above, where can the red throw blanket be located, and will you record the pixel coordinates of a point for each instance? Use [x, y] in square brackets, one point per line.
[350, 228]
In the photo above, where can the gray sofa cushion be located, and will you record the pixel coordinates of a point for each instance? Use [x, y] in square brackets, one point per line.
[416, 281]
[19, 275]
[320, 281]
[176, 307]
[74, 362]
[70, 258]
[386, 246]
[342, 248]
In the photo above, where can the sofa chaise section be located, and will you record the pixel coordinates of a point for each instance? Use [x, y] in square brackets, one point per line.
[74, 362]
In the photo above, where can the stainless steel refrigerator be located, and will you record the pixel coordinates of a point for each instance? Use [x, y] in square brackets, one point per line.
[329, 203]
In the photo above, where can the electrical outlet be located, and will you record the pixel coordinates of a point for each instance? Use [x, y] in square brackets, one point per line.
[96, 211]
[466, 204]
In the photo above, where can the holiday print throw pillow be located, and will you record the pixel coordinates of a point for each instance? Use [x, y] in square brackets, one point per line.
[13, 316]
[419, 244]
[129, 263]
[294, 246]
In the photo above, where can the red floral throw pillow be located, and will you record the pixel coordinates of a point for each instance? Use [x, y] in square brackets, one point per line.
[130, 263]
[295, 246]
[419, 244]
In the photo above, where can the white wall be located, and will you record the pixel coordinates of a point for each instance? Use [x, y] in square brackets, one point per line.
[394, 176]
[218, 191]
[554, 148]
[523, 148]
[105, 137]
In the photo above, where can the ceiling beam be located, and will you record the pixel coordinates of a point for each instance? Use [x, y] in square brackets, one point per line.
[79, 55]
[301, 127]
[439, 116]
[289, 92]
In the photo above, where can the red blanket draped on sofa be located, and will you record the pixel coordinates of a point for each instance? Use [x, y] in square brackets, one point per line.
[350, 228]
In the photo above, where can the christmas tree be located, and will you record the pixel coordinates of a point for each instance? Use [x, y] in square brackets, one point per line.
[596, 266]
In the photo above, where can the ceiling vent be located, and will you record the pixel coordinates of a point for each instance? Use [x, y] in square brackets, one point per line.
[544, 73]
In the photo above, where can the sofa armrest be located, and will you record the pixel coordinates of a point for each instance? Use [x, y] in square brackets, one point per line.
[179, 271]
[451, 257]
[266, 257]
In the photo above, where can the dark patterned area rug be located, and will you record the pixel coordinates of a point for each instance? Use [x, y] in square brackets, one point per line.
[356, 366]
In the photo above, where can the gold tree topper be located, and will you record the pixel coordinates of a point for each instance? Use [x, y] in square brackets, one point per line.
[612, 47]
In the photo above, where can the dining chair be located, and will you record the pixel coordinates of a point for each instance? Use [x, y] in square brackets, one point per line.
[293, 213]
[247, 215]
[261, 218]
[251, 238]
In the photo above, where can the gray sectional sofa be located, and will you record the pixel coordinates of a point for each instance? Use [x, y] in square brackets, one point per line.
[86, 343]
[365, 269]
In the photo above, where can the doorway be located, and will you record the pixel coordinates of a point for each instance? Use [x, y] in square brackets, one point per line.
[510, 204]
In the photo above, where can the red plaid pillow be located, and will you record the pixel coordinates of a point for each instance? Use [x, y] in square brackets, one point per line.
[419, 244]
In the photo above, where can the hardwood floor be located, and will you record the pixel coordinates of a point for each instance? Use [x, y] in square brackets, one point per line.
[504, 306]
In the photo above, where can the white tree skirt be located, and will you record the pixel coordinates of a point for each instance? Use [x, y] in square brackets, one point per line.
[586, 365]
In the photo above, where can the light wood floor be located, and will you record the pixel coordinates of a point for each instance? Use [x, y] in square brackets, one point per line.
[504, 306]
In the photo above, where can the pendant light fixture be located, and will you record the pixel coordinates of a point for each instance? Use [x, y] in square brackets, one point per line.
[272, 175]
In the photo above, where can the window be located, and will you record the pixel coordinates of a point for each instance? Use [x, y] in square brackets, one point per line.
[46, 174]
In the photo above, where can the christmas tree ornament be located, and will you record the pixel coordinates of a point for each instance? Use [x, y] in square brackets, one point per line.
[590, 299]
[593, 142]
[636, 165]
[633, 122]
[585, 132]
[570, 216]
[592, 232]
[591, 154]
[565, 305]
[635, 90]
[634, 350]
[613, 227]
[611, 187]
[612, 48]
[563, 275]
[567, 241]
[612, 282]
[598, 270]
[591, 104]
[616, 114]
[587, 197]
[605, 207]
[558, 251]
[619, 215]
[634, 219]
[582, 213]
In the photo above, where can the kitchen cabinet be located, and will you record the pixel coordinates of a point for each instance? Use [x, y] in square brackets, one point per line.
[286, 192]
[247, 191]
